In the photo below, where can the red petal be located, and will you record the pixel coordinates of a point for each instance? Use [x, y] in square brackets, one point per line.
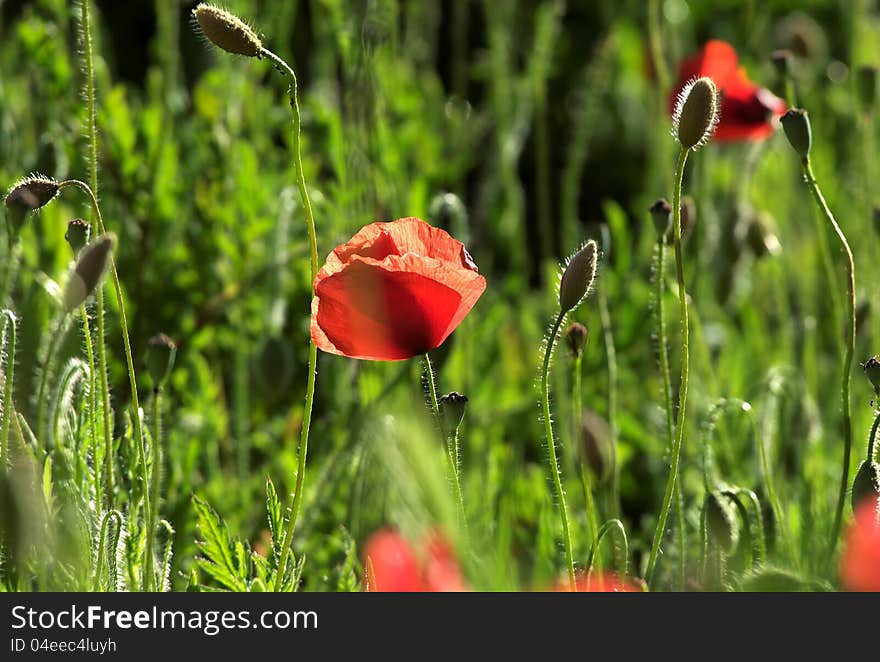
[860, 563]
[717, 60]
[595, 582]
[441, 571]
[390, 563]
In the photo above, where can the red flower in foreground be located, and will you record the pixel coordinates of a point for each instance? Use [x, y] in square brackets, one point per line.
[596, 582]
[393, 566]
[860, 565]
[746, 108]
[394, 291]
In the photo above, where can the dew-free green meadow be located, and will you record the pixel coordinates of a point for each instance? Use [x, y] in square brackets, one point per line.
[342, 295]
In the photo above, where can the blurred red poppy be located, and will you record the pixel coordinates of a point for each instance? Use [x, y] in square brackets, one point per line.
[393, 566]
[596, 582]
[860, 564]
[747, 110]
[394, 291]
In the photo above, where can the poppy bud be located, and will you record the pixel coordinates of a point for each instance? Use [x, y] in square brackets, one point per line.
[722, 525]
[77, 234]
[577, 335]
[781, 60]
[796, 123]
[227, 31]
[866, 87]
[760, 237]
[661, 214]
[161, 352]
[597, 446]
[866, 483]
[452, 408]
[447, 211]
[696, 113]
[31, 193]
[577, 277]
[872, 372]
[89, 270]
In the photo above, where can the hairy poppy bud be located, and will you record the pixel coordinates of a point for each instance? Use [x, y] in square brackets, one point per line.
[722, 525]
[866, 87]
[89, 270]
[696, 113]
[227, 31]
[161, 352]
[661, 214]
[866, 483]
[597, 446]
[32, 193]
[577, 335]
[872, 372]
[796, 123]
[77, 234]
[578, 276]
[452, 408]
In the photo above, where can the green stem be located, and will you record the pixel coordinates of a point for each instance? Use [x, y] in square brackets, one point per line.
[606, 527]
[872, 440]
[850, 340]
[7, 391]
[156, 451]
[132, 377]
[577, 414]
[93, 407]
[551, 448]
[287, 543]
[682, 394]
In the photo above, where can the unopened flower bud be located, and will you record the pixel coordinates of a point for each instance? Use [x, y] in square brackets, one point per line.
[661, 214]
[452, 408]
[722, 524]
[796, 124]
[89, 269]
[696, 113]
[866, 484]
[161, 352]
[31, 193]
[577, 335]
[760, 237]
[872, 372]
[597, 446]
[578, 276]
[866, 87]
[227, 31]
[77, 235]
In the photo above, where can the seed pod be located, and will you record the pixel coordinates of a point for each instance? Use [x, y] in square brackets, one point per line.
[89, 269]
[577, 335]
[161, 352]
[77, 235]
[722, 524]
[596, 446]
[872, 372]
[453, 407]
[31, 193]
[796, 124]
[696, 113]
[227, 31]
[866, 484]
[866, 87]
[578, 277]
[661, 214]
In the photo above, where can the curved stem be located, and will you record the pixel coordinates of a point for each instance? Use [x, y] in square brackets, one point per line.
[850, 340]
[7, 392]
[682, 394]
[606, 527]
[287, 543]
[551, 448]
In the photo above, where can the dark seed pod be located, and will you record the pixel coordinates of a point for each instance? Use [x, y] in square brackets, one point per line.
[578, 276]
[453, 407]
[227, 31]
[796, 123]
[661, 214]
[722, 524]
[32, 192]
[597, 446]
[872, 372]
[696, 113]
[77, 235]
[576, 336]
[866, 484]
[161, 352]
[89, 269]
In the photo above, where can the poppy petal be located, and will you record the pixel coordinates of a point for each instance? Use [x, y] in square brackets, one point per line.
[391, 564]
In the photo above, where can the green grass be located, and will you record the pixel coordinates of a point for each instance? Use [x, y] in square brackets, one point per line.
[542, 119]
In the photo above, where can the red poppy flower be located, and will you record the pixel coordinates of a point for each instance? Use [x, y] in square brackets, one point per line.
[596, 582]
[747, 110]
[393, 566]
[860, 564]
[394, 291]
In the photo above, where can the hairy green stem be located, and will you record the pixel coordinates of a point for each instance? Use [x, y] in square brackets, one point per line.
[93, 410]
[872, 440]
[9, 378]
[302, 451]
[682, 394]
[551, 448]
[850, 341]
